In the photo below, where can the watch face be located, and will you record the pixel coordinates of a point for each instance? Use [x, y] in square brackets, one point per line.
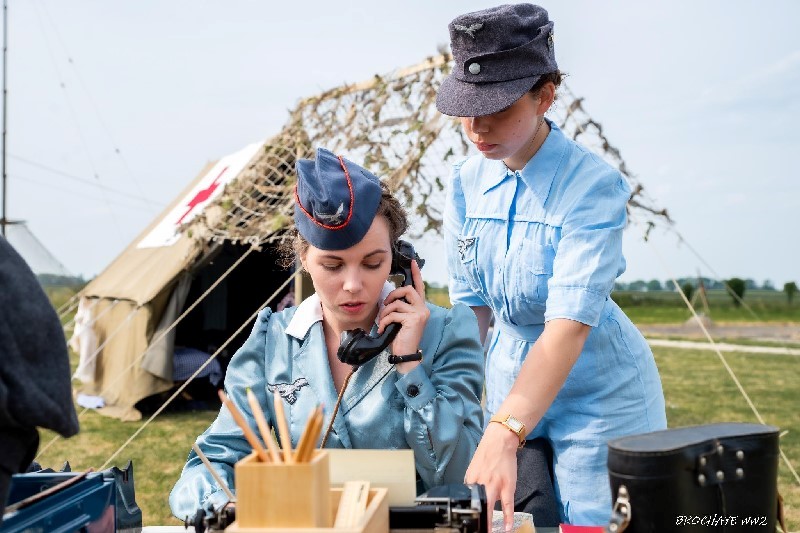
[514, 424]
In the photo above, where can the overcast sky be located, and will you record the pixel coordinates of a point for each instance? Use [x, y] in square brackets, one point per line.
[701, 97]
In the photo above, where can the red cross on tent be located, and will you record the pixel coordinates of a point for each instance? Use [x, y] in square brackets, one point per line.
[201, 196]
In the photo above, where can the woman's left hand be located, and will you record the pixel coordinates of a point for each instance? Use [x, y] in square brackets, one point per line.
[412, 314]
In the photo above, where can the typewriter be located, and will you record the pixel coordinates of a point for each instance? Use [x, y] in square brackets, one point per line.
[66, 501]
[444, 509]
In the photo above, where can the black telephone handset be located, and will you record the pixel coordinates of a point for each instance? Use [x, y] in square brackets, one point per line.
[357, 346]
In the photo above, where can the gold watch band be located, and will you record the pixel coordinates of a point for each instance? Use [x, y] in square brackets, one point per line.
[512, 424]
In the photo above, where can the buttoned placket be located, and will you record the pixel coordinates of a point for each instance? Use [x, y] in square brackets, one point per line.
[508, 259]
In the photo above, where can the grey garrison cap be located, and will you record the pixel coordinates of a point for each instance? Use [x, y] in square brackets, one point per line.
[499, 54]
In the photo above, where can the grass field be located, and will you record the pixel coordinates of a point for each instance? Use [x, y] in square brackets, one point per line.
[697, 388]
[667, 307]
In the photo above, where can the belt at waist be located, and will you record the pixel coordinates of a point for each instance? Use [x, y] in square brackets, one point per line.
[531, 332]
[527, 333]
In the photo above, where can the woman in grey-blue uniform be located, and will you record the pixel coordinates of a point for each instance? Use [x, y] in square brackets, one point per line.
[533, 229]
[347, 223]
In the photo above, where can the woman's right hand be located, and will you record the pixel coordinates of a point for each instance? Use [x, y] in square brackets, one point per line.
[494, 465]
[406, 306]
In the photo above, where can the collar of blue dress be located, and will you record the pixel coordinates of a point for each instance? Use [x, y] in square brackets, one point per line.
[539, 172]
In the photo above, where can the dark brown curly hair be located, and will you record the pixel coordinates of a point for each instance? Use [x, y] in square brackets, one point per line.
[554, 77]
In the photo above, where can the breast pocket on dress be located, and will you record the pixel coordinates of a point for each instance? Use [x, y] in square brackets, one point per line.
[535, 268]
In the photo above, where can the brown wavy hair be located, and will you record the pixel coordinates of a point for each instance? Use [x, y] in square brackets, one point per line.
[554, 77]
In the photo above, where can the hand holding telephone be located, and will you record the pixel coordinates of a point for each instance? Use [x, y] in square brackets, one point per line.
[357, 346]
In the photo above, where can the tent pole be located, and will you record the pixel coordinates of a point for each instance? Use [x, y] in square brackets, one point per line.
[3, 218]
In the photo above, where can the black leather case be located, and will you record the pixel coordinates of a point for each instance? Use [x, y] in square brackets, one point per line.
[709, 478]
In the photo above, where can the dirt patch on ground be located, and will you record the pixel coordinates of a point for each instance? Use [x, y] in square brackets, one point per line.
[768, 332]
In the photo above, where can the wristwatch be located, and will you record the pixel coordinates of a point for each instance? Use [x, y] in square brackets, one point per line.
[512, 424]
[395, 359]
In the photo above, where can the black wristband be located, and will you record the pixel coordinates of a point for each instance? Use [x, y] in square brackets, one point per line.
[394, 359]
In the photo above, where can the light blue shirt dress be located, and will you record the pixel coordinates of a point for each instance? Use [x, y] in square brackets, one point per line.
[544, 243]
[434, 409]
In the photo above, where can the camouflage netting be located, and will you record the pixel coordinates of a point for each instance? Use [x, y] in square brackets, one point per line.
[391, 126]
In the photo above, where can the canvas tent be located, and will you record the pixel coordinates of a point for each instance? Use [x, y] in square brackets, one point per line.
[125, 313]
[388, 123]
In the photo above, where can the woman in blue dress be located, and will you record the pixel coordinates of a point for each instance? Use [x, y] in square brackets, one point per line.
[429, 402]
[533, 229]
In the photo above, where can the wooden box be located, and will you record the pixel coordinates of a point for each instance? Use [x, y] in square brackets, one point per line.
[279, 495]
[375, 519]
[392, 469]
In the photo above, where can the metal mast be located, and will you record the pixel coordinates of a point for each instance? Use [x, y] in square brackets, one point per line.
[4, 218]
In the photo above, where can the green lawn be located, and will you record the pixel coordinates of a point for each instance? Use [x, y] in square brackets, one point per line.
[667, 307]
[663, 307]
[697, 388]
[158, 453]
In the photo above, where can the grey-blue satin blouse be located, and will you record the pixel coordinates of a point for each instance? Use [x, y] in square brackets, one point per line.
[434, 409]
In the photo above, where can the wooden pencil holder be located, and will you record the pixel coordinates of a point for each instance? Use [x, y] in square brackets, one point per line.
[279, 495]
[375, 519]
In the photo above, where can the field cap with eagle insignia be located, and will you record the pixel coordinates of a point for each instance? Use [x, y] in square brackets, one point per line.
[499, 54]
[335, 201]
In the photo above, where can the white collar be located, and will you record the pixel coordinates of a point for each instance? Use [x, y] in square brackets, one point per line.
[309, 312]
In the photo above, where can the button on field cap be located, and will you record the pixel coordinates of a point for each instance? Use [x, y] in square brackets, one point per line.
[335, 201]
[499, 54]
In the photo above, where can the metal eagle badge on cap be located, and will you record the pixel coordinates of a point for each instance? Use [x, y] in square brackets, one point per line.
[469, 30]
[333, 219]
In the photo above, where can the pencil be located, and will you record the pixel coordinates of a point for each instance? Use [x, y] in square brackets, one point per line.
[302, 444]
[283, 428]
[316, 429]
[307, 440]
[214, 474]
[245, 427]
[263, 427]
